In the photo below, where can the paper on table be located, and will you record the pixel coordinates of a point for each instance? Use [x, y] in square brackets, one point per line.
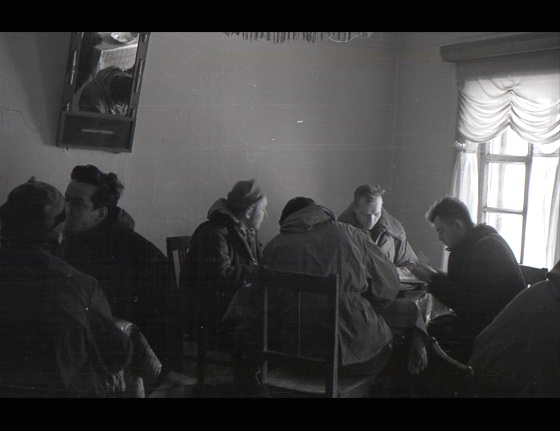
[407, 276]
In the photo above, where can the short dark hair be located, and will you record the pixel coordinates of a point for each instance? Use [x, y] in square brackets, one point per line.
[293, 205]
[449, 209]
[368, 192]
[110, 189]
[121, 87]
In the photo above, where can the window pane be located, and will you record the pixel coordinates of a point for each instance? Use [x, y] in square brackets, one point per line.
[506, 185]
[509, 143]
[510, 227]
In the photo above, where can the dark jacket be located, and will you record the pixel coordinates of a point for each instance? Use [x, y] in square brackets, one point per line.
[222, 258]
[57, 330]
[483, 277]
[388, 233]
[132, 271]
[311, 241]
[519, 352]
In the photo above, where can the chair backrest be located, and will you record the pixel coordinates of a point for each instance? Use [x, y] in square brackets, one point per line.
[277, 282]
[454, 378]
[533, 275]
[177, 249]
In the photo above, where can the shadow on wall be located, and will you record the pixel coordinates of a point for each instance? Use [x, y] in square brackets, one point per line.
[37, 61]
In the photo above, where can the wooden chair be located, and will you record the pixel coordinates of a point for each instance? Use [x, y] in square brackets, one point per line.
[282, 374]
[447, 377]
[195, 350]
[533, 275]
[177, 250]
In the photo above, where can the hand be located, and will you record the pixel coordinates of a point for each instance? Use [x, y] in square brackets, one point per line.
[417, 355]
[420, 271]
[417, 360]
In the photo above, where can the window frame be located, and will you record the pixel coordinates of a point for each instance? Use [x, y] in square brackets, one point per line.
[484, 160]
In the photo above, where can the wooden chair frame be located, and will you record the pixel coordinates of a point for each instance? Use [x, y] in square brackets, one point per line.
[177, 250]
[334, 387]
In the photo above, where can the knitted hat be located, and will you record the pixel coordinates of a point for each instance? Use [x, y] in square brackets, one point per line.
[244, 194]
[27, 210]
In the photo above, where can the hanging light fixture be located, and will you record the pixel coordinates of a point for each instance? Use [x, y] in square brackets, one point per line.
[309, 36]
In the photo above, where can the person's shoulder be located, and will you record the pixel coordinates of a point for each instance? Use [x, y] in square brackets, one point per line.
[352, 232]
[490, 239]
[71, 279]
[347, 216]
[67, 272]
[138, 243]
[392, 226]
[211, 230]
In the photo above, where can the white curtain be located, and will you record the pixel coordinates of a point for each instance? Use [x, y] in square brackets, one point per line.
[523, 92]
[465, 176]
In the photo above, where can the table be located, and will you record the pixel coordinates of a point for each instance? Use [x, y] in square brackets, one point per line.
[414, 308]
[407, 316]
[112, 53]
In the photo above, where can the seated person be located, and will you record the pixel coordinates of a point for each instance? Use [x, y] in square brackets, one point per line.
[312, 241]
[100, 240]
[224, 251]
[57, 330]
[518, 354]
[107, 93]
[483, 274]
[366, 212]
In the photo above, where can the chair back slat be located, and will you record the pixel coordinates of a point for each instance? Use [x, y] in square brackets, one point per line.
[270, 280]
[177, 250]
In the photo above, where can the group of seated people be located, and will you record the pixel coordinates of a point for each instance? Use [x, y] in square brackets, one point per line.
[71, 265]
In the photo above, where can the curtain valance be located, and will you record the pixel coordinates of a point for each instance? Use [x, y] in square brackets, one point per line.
[522, 91]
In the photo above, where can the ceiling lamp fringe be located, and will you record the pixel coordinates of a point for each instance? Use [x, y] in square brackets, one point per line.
[310, 36]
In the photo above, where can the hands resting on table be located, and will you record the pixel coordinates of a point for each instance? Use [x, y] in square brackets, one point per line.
[427, 273]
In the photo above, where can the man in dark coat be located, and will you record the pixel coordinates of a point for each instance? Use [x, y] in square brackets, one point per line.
[99, 240]
[366, 212]
[518, 354]
[483, 275]
[57, 332]
[225, 250]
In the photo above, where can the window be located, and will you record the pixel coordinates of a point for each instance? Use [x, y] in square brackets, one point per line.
[515, 191]
[508, 134]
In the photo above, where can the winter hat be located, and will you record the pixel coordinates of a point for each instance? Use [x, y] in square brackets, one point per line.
[28, 208]
[294, 205]
[244, 194]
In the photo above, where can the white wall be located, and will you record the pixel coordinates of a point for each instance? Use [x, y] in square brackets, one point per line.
[312, 119]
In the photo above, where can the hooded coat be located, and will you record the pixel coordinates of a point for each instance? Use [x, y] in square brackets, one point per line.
[388, 233]
[132, 271]
[222, 258]
[483, 277]
[311, 241]
[57, 331]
